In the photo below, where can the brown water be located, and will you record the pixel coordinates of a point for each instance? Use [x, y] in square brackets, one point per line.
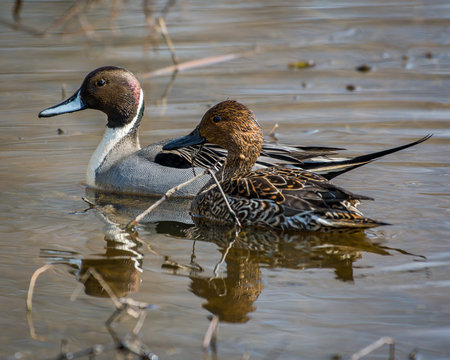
[307, 296]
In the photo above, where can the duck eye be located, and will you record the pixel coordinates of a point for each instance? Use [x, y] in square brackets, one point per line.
[101, 82]
[217, 118]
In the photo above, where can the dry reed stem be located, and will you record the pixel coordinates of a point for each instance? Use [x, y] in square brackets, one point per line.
[167, 7]
[168, 194]
[223, 258]
[165, 35]
[33, 282]
[192, 64]
[163, 99]
[105, 286]
[91, 271]
[16, 10]
[233, 214]
[19, 26]
[272, 133]
[375, 345]
[33, 334]
[64, 18]
[209, 340]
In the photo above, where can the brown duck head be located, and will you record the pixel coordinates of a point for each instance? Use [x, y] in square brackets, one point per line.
[110, 89]
[231, 125]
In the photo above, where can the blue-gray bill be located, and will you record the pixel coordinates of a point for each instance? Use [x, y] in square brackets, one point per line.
[72, 104]
[194, 138]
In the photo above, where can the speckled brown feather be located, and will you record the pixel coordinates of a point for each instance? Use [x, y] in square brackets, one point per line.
[274, 197]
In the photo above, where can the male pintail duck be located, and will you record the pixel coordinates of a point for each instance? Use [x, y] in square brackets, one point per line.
[277, 197]
[120, 165]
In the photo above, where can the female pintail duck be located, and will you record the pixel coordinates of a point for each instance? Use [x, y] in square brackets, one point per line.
[120, 165]
[275, 197]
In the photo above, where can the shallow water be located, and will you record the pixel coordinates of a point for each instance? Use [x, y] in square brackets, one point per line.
[307, 296]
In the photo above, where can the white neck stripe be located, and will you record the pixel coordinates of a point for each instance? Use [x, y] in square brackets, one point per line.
[110, 139]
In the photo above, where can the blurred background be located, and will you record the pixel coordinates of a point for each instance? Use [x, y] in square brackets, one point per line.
[358, 75]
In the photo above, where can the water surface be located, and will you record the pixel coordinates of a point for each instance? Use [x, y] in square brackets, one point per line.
[306, 296]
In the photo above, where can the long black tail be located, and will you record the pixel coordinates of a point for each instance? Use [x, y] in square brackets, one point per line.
[331, 169]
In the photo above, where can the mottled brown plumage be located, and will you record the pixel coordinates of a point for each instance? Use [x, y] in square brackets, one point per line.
[274, 197]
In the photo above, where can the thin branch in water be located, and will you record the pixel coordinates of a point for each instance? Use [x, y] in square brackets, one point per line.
[132, 224]
[63, 19]
[165, 35]
[86, 28]
[33, 334]
[167, 7]
[79, 8]
[194, 263]
[272, 133]
[89, 202]
[105, 286]
[19, 26]
[233, 214]
[16, 10]
[192, 64]
[139, 323]
[148, 12]
[223, 258]
[147, 245]
[114, 14]
[33, 283]
[375, 345]
[163, 100]
[210, 338]
[64, 347]
[91, 352]
[91, 206]
[76, 292]
[171, 264]
[110, 329]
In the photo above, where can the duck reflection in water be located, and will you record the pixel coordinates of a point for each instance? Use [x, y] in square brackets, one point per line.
[119, 267]
[231, 291]
[231, 297]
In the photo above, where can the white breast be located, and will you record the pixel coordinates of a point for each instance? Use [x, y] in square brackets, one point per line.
[110, 139]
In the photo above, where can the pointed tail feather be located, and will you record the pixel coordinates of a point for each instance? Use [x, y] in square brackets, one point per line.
[336, 219]
[331, 169]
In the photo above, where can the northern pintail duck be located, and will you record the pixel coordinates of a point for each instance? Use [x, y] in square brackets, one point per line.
[119, 164]
[277, 197]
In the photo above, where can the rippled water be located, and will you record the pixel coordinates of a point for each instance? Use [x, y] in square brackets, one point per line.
[306, 296]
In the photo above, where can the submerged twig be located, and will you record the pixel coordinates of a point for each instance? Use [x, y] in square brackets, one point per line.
[163, 99]
[223, 258]
[233, 214]
[167, 7]
[91, 352]
[165, 35]
[272, 133]
[87, 201]
[69, 14]
[16, 10]
[375, 345]
[171, 264]
[210, 338]
[168, 194]
[19, 26]
[91, 271]
[192, 64]
[126, 306]
[33, 282]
